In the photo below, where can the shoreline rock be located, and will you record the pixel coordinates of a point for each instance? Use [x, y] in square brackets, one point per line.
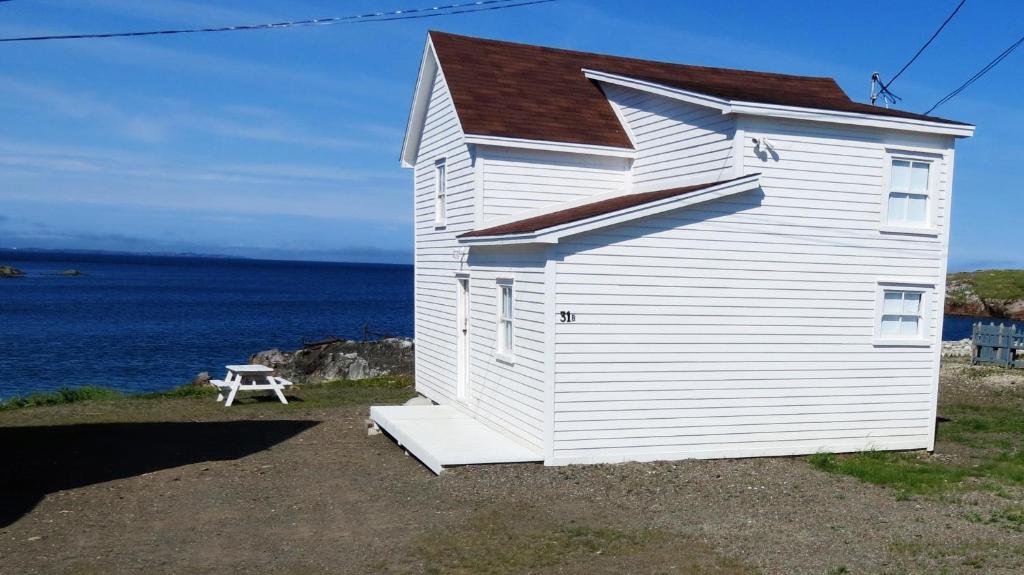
[10, 272]
[961, 348]
[341, 360]
[1003, 301]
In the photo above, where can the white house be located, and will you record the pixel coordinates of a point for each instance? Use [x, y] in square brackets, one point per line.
[626, 260]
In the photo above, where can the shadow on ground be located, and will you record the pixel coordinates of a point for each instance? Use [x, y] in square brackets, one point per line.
[46, 459]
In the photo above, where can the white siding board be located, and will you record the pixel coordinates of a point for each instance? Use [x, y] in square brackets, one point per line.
[674, 140]
[521, 180]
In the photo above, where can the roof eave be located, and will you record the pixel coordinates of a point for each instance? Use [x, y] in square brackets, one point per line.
[554, 234]
[550, 146]
[429, 65]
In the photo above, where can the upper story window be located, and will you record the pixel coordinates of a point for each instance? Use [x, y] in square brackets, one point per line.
[440, 194]
[909, 196]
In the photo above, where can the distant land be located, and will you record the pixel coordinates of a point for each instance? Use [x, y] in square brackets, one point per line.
[986, 293]
[119, 253]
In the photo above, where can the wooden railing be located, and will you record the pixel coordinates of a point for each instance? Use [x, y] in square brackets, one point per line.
[997, 344]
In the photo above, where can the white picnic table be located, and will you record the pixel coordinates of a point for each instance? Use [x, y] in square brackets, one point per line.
[249, 377]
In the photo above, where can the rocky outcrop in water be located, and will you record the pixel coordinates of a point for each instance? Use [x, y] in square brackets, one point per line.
[341, 359]
[10, 272]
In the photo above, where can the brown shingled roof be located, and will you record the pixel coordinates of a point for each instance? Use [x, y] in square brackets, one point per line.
[537, 93]
[598, 208]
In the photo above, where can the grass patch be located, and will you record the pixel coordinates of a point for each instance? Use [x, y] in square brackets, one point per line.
[982, 425]
[388, 389]
[902, 471]
[500, 543]
[994, 284]
[61, 396]
[910, 474]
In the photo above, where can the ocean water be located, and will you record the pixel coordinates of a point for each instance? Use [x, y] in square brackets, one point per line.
[956, 327]
[150, 323]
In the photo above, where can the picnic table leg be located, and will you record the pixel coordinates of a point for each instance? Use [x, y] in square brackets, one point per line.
[277, 389]
[235, 384]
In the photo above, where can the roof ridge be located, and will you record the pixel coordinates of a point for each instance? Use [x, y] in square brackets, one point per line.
[631, 58]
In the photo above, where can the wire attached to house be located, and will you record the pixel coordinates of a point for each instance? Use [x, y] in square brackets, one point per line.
[995, 62]
[406, 14]
[885, 86]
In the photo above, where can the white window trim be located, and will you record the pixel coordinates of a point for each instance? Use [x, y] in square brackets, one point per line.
[440, 215]
[501, 354]
[933, 161]
[926, 289]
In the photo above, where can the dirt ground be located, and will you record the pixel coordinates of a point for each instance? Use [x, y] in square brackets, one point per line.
[184, 486]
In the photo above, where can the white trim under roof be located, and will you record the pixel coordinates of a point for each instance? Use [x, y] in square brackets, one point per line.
[553, 234]
[429, 66]
[792, 112]
[567, 147]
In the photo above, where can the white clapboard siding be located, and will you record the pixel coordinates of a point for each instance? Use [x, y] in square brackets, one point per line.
[435, 267]
[509, 395]
[745, 326]
[519, 180]
[506, 397]
[674, 139]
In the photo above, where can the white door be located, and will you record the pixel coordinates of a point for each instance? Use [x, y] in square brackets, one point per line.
[462, 341]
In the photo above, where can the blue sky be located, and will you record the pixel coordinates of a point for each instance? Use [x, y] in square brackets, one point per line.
[284, 143]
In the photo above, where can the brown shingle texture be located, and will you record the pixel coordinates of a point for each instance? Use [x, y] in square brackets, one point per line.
[536, 93]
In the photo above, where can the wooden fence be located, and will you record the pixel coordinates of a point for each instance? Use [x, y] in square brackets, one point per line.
[997, 344]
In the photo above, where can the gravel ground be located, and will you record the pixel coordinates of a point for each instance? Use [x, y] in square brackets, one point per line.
[181, 486]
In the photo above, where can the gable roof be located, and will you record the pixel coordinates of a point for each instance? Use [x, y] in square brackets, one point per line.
[621, 204]
[522, 91]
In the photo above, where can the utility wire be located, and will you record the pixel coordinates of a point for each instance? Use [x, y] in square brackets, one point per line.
[885, 87]
[408, 14]
[1002, 56]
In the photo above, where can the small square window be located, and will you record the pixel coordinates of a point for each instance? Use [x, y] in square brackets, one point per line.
[901, 316]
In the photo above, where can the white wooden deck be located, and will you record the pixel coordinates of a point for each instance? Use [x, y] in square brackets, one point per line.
[440, 436]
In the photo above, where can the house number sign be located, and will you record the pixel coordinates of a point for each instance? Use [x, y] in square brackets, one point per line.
[567, 316]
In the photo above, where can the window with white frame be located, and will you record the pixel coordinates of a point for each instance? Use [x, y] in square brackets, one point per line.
[909, 197]
[506, 317]
[901, 314]
[440, 193]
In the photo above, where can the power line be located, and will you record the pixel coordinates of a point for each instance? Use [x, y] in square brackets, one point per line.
[995, 62]
[407, 14]
[885, 87]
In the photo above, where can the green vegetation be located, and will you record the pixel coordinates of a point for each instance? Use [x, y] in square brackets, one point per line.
[993, 432]
[903, 471]
[61, 396]
[1001, 285]
[982, 426]
[492, 544]
[330, 393]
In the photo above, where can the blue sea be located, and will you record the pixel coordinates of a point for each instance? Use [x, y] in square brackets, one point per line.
[150, 323]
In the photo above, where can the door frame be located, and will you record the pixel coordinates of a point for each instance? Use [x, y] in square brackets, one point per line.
[462, 337]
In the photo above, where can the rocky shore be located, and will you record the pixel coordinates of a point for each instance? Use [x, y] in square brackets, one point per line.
[987, 293]
[341, 360]
[961, 348]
